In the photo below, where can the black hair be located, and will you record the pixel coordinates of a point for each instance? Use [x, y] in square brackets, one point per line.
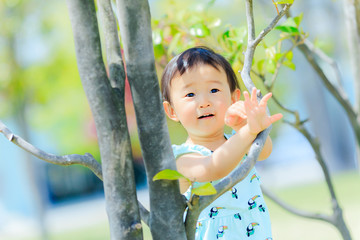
[193, 57]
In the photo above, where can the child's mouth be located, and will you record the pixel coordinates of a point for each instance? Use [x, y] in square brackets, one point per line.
[206, 116]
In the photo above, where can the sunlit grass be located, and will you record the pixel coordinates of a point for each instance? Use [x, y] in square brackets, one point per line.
[316, 198]
[94, 233]
[312, 197]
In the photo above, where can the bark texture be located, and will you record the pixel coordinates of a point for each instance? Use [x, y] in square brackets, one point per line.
[109, 115]
[166, 203]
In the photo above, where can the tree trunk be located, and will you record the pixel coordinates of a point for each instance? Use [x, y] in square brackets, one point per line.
[109, 114]
[352, 19]
[166, 203]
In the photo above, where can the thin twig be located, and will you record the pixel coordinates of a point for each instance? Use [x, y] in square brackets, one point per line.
[316, 147]
[340, 95]
[291, 209]
[271, 26]
[250, 20]
[277, 9]
[329, 61]
[86, 160]
[280, 62]
[252, 42]
[336, 218]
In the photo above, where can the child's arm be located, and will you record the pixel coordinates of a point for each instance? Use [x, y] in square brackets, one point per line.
[267, 149]
[201, 168]
[226, 157]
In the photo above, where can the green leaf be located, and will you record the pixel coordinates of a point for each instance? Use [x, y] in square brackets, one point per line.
[287, 29]
[289, 64]
[159, 51]
[206, 189]
[285, 2]
[226, 35]
[298, 19]
[271, 66]
[260, 65]
[278, 56]
[168, 174]
[289, 26]
[289, 55]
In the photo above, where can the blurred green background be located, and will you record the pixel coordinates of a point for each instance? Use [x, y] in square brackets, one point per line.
[41, 99]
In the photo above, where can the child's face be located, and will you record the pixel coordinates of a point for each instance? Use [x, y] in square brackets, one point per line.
[199, 100]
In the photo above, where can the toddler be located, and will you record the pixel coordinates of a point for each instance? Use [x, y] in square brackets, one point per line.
[201, 92]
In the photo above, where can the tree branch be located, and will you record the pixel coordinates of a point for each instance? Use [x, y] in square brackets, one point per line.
[113, 51]
[271, 26]
[340, 95]
[86, 160]
[145, 214]
[336, 218]
[299, 125]
[352, 22]
[237, 175]
[316, 147]
[250, 20]
[252, 42]
[241, 171]
[295, 211]
[318, 52]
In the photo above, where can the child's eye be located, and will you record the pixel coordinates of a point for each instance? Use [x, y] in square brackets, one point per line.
[190, 95]
[214, 90]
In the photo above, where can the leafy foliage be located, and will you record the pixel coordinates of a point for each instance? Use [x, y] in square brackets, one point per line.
[182, 28]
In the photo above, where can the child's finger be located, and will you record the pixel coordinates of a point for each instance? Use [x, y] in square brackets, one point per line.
[254, 97]
[275, 117]
[236, 110]
[247, 101]
[238, 106]
[246, 95]
[265, 99]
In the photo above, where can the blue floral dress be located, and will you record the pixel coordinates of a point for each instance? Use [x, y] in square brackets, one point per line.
[240, 213]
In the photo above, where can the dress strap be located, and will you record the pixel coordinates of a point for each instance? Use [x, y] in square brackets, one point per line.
[185, 148]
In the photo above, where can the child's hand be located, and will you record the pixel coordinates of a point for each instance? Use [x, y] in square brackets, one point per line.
[235, 116]
[257, 119]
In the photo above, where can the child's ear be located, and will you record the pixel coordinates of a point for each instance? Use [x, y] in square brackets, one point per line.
[170, 112]
[235, 96]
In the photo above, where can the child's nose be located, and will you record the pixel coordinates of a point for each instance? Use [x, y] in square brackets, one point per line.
[204, 105]
[204, 102]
